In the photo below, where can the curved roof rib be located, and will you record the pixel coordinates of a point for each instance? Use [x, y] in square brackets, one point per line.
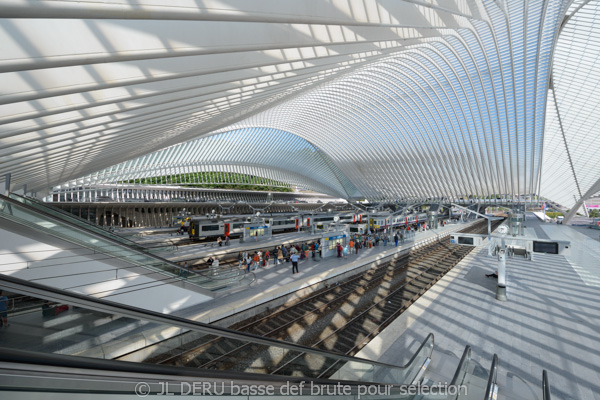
[382, 99]
[263, 152]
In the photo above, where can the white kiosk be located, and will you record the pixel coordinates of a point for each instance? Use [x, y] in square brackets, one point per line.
[329, 242]
[257, 230]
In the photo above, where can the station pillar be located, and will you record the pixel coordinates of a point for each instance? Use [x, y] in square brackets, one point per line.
[501, 288]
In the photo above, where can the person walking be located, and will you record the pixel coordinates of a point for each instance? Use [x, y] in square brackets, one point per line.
[294, 257]
[266, 258]
[256, 260]
[279, 255]
[240, 259]
[351, 245]
[248, 263]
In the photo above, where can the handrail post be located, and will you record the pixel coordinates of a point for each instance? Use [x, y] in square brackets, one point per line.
[546, 395]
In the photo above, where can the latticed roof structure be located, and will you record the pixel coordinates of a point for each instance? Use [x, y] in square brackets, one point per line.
[369, 99]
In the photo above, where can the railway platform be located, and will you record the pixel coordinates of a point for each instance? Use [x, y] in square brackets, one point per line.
[276, 281]
[203, 250]
[272, 282]
[550, 320]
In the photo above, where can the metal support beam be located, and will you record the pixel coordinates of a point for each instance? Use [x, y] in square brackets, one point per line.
[591, 191]
[7, 184]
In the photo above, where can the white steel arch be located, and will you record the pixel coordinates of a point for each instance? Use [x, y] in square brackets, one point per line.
[394, 98]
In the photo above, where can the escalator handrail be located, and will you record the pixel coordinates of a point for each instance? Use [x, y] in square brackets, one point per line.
[157, 371]
[546, 395]
[13, 284]
[104, 232]
[58, 210]
[80, 228]
[463, 365]
[491, 383]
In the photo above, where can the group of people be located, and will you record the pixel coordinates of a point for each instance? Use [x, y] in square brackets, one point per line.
[225, 241]
[279, 255]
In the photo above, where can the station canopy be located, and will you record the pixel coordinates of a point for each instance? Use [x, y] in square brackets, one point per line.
[385, 99]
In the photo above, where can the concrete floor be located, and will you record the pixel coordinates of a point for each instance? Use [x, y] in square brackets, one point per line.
[551, 321]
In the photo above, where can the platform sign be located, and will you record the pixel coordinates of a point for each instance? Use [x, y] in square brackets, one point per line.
[335, 237]
[257, 227]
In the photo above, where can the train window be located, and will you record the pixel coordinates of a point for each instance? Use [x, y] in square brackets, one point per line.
[545, 247]
[465, 240]
[237, 226]
[353, 229]
[210, 228]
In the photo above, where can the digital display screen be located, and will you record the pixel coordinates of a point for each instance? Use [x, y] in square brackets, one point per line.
[465, 240]
[545, 247]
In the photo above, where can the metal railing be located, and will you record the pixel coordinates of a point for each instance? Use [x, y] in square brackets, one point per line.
[491, 389]
[379, 372]
[462, 369]
[546, 395]
[29, 216]
[74, 219]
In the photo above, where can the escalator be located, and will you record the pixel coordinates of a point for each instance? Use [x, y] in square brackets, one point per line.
[71, 218]
[72, 344]
[76, 345]
[39, 220]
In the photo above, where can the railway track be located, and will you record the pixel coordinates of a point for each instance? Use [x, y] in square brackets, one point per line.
[342, 318]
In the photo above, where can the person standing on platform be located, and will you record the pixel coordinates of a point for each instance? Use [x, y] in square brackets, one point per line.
[285, 254]
[339, 250]
[279, 255]
[3, 311]
[396, 238]
[266, 257]
[240, 259]
[248, 263]
[351, 245]
[220, 241]
[294, 258]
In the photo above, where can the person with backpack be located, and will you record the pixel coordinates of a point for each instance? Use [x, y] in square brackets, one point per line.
[285, 254]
